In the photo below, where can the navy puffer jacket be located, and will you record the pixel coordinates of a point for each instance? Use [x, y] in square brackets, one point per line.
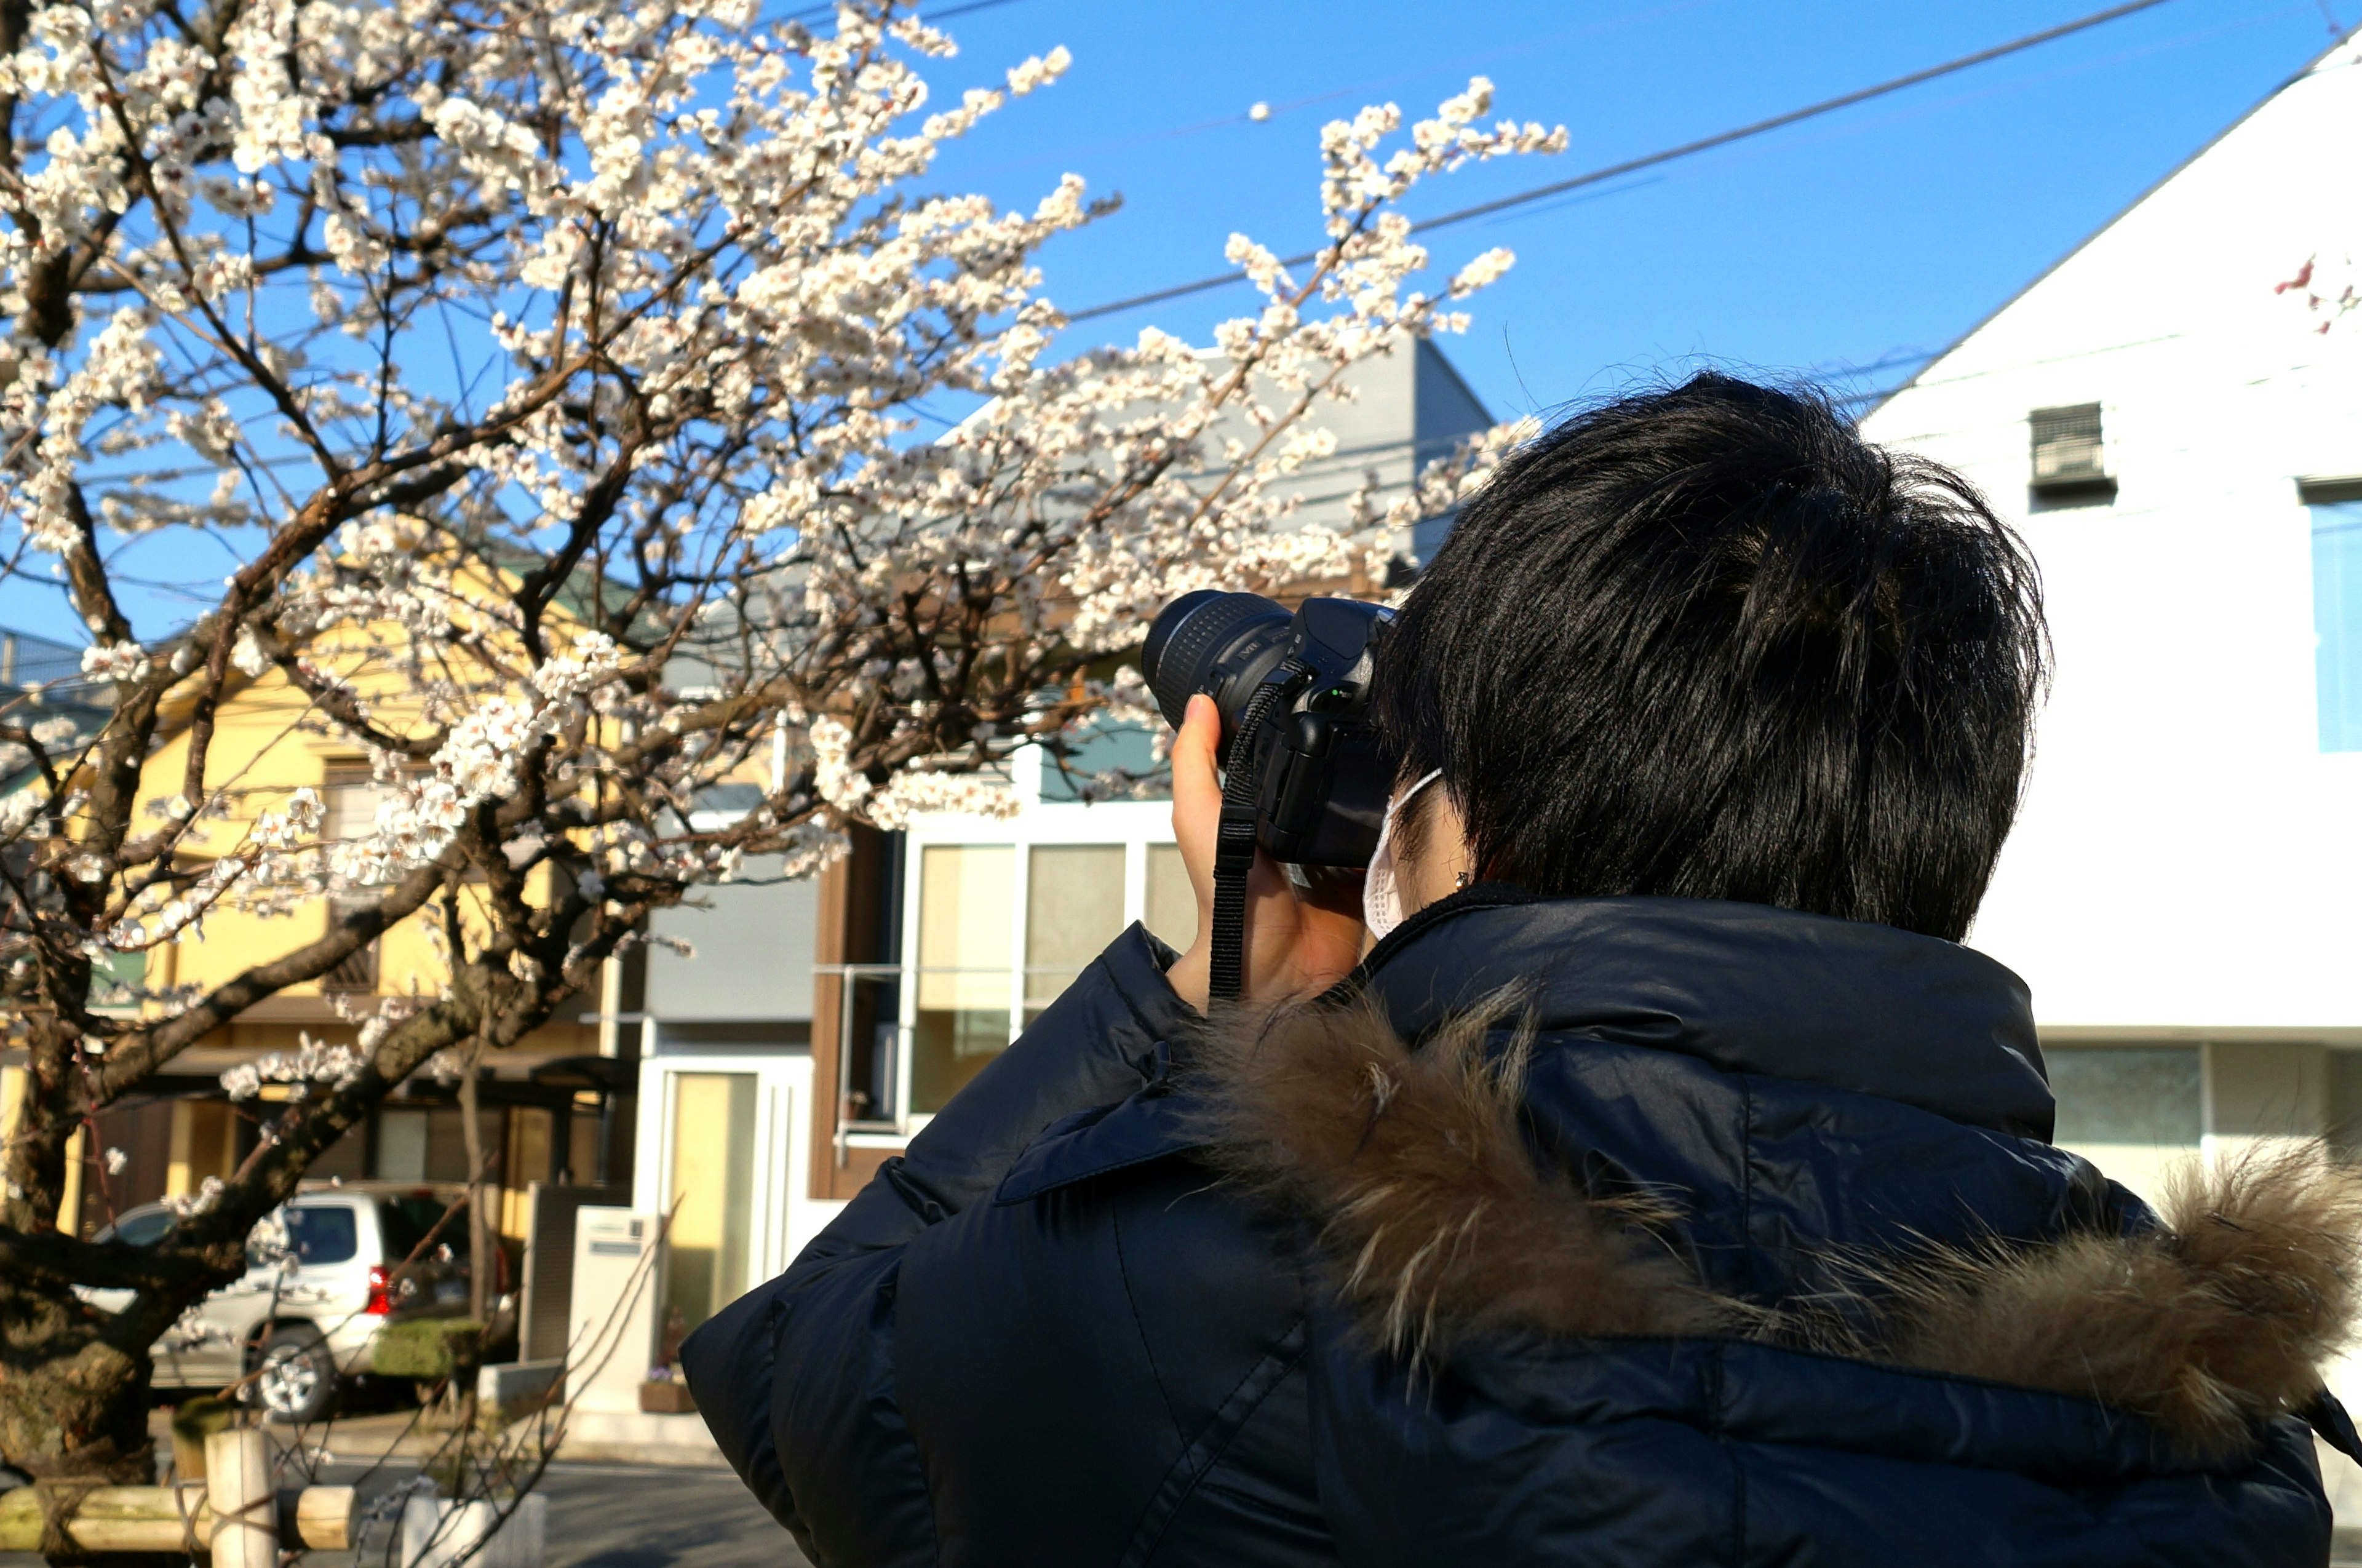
[1614, 1232]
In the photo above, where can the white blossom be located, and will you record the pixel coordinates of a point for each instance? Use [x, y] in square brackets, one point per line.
[115, 661]
[561, 388]
[207, 1197]
[312, 1061]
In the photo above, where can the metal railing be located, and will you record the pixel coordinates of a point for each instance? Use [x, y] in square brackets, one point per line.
[886, 1041]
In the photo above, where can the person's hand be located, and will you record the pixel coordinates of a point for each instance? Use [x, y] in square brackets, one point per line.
[1298, 944]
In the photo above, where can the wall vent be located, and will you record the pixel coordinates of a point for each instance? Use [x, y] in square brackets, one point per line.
[2070, 457]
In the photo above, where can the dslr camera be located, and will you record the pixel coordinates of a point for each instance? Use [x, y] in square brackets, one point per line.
[1294, 690]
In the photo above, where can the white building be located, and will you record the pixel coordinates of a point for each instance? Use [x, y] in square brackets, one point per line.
[2179, 445]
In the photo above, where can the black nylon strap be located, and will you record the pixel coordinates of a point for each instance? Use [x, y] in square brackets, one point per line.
[1234, 844]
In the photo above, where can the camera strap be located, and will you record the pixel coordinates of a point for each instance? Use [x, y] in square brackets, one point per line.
[1234, 842]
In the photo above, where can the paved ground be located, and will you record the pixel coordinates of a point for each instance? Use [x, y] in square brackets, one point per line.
[627, 1516]
[606, 1515]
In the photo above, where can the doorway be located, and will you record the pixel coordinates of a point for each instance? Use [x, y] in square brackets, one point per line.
[732, 1146]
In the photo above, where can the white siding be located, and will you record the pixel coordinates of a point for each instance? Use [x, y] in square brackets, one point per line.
[2189, 860]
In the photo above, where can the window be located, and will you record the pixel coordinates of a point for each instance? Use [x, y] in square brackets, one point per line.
[1074, 907]
[355, 972]
[1104, 747]
[966, 893]
[710, 1242]
[351, 798]
[2135, 1111]
[998, 916]
[404, 1223]
[2070, 457]
[2337, 613]
[2142, 1095]
[1075, 901]
[323, 1235]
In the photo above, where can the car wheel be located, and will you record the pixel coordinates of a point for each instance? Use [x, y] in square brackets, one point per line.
[294, 1376]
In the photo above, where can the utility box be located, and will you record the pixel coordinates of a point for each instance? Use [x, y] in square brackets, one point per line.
[546, 1320]
[618, 1275]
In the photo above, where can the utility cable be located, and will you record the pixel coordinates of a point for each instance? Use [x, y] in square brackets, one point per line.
[811, 12]
[1686, 149]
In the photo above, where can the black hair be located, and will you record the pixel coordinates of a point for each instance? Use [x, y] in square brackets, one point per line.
[1706, 642]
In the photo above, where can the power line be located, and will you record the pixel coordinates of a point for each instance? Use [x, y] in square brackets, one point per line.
[809, 11]
[1686, 149]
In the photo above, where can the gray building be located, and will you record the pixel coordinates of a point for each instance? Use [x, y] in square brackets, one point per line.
[747, 976]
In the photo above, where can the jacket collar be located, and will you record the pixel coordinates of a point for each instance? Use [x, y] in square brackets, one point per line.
[1749, 988]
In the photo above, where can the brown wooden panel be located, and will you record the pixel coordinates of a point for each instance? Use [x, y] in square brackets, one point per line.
[844, 1181]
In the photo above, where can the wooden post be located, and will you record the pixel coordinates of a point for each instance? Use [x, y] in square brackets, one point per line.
[322, 1516]
[238, 1484]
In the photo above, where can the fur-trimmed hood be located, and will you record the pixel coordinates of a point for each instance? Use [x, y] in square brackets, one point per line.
[1419, 1167]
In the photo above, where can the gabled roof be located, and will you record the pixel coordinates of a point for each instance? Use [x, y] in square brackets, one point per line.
[2326, 59]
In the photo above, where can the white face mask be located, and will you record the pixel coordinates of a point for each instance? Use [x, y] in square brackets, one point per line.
[1382, 905]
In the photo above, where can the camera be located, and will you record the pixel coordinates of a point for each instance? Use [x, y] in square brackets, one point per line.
[1294, 690]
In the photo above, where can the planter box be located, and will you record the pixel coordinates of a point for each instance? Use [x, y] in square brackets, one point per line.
[667, 1400]
[516, 1388]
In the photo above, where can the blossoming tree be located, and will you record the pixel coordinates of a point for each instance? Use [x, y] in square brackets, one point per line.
[520, 355]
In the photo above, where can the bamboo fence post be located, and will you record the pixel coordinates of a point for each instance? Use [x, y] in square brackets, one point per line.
[245, 1508]
[166, 1518]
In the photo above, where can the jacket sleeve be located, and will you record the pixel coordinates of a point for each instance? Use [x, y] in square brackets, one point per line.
[796, 1377]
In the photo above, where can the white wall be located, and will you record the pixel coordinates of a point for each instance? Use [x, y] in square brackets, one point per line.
[2187, 862]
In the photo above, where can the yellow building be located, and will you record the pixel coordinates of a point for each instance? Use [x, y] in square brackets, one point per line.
[550, 1109]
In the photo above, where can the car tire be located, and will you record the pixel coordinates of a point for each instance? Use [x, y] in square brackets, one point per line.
[294, 1376]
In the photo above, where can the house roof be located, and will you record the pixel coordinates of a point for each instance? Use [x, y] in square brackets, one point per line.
[2324, 59]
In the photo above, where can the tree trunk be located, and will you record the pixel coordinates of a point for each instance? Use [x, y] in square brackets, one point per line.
[471, 1131]
[73, 1407]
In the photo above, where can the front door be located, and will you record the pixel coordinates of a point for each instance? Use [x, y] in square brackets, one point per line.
[727, 1154]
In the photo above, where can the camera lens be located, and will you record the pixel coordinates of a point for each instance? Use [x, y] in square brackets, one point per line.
[1213, 642]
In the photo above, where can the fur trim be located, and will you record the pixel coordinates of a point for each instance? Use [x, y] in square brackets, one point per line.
[1441, 1222]
[1413, 1163]
[2219, 1319]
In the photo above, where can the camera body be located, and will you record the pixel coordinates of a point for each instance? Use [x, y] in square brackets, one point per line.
[1296, 687]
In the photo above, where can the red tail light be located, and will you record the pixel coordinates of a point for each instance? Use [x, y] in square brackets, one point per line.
[380, 1298]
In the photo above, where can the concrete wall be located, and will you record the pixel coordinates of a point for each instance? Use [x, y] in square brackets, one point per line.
[1409, 406]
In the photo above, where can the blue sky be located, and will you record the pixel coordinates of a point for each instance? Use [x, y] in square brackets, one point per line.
[1839, 248]
[1875, 232]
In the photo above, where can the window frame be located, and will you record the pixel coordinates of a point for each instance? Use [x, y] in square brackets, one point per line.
[1132, 826]
[2334, 508]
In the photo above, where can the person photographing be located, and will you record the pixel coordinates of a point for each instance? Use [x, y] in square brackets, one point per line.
[1631, 1167]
